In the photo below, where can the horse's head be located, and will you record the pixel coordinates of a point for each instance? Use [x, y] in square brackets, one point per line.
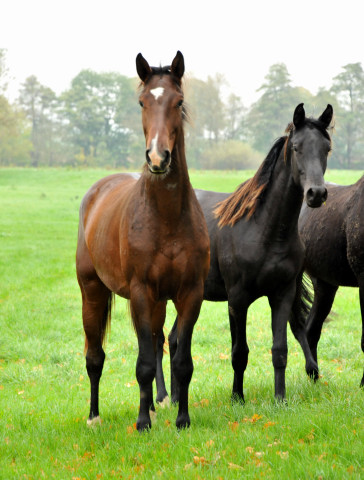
[309, 145]
[161, 100]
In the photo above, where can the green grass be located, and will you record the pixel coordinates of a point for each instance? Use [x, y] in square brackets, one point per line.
[44, 388]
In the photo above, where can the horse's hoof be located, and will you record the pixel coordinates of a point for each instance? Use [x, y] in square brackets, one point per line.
[281, 400]
[183, 421]
[92, 422]
[165, 402]
[312, 371]
[143, 424]
[237, 398]
[175, 400]
[161, 397]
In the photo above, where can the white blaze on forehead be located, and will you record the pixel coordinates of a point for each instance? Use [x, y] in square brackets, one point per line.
[157, 92]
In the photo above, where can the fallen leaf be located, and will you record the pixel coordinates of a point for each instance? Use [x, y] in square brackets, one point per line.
[233, 426]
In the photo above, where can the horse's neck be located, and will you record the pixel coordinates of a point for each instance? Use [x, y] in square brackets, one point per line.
[168, 194]
[282, 204]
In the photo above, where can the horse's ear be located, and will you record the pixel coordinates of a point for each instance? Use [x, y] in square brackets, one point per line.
[178, 65]
[142, 67]
[327, 115]
[299, 116]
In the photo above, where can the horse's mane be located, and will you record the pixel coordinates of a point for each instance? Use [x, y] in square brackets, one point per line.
[244, 200]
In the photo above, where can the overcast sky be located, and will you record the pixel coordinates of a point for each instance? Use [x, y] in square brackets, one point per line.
[54, 40]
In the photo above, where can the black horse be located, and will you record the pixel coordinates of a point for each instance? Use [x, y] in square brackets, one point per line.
[334, 242]
[256, 249]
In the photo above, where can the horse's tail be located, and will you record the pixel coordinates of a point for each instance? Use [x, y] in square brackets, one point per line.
[106, 320]
[302, 304]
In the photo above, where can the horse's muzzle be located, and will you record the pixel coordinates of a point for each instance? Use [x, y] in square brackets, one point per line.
[316, 196]
[157, 164]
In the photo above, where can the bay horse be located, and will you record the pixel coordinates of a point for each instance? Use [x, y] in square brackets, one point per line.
[255, 248]
[334, 243]
[145, 238]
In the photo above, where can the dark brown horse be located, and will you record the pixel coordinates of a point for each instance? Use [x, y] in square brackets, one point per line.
[255, 246]
[146, 240]
[334, 242]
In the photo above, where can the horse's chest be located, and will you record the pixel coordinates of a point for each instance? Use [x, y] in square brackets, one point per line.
[263, 266]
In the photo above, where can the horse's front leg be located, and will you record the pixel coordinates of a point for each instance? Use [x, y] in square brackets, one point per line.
[188, 309]
[148, 320]
[281, 305]
[239, 345]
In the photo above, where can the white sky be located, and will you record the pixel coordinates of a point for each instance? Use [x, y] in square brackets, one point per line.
[54, 40]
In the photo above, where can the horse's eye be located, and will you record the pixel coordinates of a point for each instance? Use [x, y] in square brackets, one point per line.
[295, 148]
[141, 103]
[179, 104]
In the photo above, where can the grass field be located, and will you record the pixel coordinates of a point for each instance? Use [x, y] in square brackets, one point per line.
[44, 388]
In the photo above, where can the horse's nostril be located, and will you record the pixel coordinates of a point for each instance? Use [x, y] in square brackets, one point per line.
[147, 156]
[316, 196]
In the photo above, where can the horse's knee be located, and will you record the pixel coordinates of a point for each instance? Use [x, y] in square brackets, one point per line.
[279, 357]
[239, 358]
[95, 363]
[145, 371]
[182, 368]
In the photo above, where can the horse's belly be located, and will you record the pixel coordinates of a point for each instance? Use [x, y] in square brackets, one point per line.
[330, 265]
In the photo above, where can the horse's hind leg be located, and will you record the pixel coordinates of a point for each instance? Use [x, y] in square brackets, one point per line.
[96, 304]
[172, 340]
[361, 296]
[323, 300]
[162, 395]
[96, 310]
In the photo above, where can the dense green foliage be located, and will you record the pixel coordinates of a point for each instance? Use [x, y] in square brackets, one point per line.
[96, 122]
[44, 389]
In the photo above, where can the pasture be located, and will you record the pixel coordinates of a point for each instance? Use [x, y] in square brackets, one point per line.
[44, 388]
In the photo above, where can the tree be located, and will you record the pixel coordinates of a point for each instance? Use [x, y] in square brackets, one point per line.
[15, 145]
[41, 105]
[14, 135]
[100, 109]
[270, 113]
[349, 89]
[236, 128]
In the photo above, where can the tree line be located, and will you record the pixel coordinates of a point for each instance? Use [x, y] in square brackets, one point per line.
[97, 121]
